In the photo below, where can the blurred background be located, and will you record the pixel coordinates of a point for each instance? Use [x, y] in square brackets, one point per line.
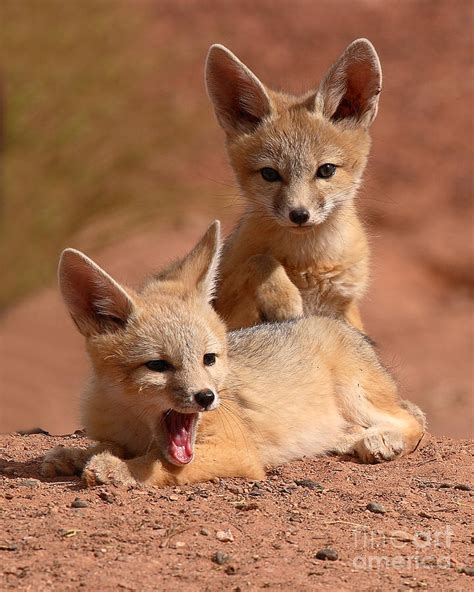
[109, 144]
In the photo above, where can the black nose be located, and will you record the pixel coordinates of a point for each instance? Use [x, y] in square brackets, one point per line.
[299, 216]
[204, 398]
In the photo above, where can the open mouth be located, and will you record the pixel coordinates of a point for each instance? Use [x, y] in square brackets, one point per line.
[180, 429]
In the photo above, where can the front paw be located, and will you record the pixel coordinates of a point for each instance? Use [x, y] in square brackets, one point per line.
[379, 445]
[105, 468]
[282, 305]
[62, 461]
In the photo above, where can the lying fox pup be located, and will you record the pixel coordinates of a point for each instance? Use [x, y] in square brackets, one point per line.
[173, 399]
[300, 247]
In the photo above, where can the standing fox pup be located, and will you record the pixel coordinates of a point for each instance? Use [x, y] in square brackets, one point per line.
[173, 399]
[300, 247]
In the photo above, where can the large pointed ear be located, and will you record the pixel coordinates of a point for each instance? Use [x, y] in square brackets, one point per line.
[96, 302]
[198, 270]
[351, 88]
[240, 99]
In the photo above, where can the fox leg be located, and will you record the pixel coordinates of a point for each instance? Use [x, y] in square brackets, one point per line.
[381, 426]
[62, 460]
[259, 290]
[278, 299]
[398, 433]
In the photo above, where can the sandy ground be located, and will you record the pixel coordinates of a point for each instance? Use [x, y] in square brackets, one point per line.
[169, 539]
[416, 198]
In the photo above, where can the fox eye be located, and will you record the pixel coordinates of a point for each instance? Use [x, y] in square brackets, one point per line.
[270, 175]
[209, 359]
[159, 365]
[326, 170]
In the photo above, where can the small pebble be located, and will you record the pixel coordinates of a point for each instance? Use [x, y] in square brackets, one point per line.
[204, 532]
[225, 536]
[463, 487]
[469, 571]
[327, 554]
[309, 484]
[425, 515]
[245, 507]
[107, 497]
[220, 558]
[29, 483]
[375, 508]
[179, 544]
[79, 503]
[173, 498]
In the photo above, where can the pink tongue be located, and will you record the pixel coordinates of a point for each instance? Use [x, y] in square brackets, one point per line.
[179, 429]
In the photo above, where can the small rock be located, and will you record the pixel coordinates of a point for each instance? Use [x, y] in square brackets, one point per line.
[179, 544]
[327, 554]
[69, 532]
[463, 487]
[173, 498]
[78, 434]
[309, 484]
[375, 508]
[225, 536]
[8, 547]
[9, 496]
[425, 515]
[79, 503]
[230, 570]
[204, 532]
[107, 497]
[469, 571]
[29, 483]
[220, 558]
[245, 507]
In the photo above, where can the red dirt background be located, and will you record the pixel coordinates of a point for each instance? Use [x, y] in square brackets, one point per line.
[416, 198]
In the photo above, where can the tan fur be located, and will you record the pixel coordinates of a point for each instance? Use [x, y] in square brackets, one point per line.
[284, 390]
[321, 267]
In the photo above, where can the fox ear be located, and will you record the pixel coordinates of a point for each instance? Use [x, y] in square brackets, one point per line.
[350, 90]
[240, 99]
[96, 302]
[198, 270]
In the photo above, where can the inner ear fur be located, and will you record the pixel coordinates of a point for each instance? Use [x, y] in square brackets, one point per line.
[351, 88]
[239, 98]
[96, 302]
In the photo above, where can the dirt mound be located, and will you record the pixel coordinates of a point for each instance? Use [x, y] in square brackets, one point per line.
[403, 525]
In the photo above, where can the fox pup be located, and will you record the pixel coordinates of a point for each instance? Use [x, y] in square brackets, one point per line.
[300, 247]
[174, 399]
